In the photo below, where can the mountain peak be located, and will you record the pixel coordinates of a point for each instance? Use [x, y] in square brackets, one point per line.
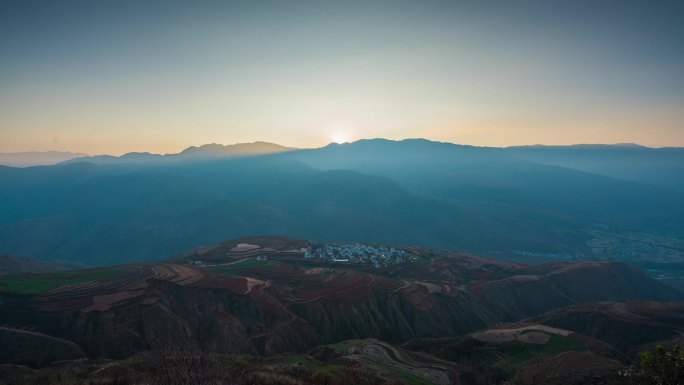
[205, 151]
[217, 149]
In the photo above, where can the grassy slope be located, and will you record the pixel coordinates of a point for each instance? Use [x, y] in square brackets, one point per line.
[519, 353]
[249, 263]
[36, 283]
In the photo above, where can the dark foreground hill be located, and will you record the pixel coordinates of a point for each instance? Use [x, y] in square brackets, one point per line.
[628, 326]
[269, 296]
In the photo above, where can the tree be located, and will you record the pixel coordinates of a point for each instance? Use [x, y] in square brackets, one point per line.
[660, 366]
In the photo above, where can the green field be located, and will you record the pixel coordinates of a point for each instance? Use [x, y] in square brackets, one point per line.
[249, 263]
[520, 353]
[36, 283]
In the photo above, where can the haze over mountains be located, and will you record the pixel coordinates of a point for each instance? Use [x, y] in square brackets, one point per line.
[659, 166]
[36, 158]
[106, 210]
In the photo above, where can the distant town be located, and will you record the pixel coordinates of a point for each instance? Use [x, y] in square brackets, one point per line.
[356, 253]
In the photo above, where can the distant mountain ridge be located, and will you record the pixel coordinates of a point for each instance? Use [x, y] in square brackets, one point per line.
[628, 161]
[193, 153]
[585, 145]
[411, 192]
[658, 166]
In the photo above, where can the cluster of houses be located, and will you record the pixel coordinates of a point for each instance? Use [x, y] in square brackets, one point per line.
[356, 253]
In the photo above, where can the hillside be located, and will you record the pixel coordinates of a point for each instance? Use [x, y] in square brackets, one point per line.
[35, 349]
[108, 216]
[527, 353]
[272, 295]
[629, 326]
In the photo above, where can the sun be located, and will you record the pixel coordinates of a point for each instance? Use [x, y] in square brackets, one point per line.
[340, 138]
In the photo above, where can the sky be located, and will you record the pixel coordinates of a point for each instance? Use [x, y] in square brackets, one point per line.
[119, 76]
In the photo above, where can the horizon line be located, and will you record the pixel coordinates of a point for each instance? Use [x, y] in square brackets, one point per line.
[88, 154]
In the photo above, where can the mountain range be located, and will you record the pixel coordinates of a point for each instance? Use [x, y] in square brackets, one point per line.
[193, 153]
[659, 166]
[412, 192]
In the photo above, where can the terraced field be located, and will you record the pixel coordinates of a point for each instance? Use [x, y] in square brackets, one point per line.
[259, 297]
[97, 289]
[38, 283]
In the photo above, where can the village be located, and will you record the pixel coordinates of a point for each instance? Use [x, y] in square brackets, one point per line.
[356, 253]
